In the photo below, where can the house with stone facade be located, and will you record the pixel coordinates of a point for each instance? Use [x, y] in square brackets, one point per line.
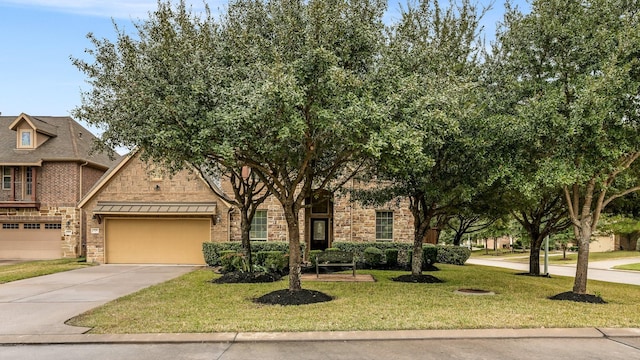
[46, 167]
[136, 214]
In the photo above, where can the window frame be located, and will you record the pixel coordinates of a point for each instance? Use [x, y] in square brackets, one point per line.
[6, 176]
[381, 231]
[21, 138]
[264, 228]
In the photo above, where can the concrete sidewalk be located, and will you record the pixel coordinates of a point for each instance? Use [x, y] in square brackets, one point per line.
[598, 270]
[314, 336]
[41, 305]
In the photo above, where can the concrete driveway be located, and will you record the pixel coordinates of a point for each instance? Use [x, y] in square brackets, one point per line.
[41, 305]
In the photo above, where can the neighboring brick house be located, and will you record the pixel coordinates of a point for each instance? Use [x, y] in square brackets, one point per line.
[137, 215]
[46, 168]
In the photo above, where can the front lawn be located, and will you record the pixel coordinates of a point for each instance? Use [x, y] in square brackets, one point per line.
[31, 269]
[192, 304]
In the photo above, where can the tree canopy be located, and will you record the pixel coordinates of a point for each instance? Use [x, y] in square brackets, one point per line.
[284, 87]
[569, 72]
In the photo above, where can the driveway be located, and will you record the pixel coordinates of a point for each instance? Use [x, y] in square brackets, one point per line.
[41, 305]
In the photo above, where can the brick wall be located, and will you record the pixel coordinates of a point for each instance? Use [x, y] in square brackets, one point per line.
[90, 177]
[58, 184]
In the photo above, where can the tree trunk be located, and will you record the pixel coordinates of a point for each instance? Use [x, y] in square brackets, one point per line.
[534, 260]
[580, 282]
[457, 240]
[293, 226]
[420, 230]
[245, 227]
[416, 260]
[534, 257]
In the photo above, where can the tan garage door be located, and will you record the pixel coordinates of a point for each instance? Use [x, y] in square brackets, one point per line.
[156, 241]
[30, 241]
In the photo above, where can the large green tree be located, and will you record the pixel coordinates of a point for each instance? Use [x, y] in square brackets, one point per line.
[282, 86]
[430, 69]
[570, 72]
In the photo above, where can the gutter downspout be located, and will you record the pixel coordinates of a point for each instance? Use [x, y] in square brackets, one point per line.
[82, 234]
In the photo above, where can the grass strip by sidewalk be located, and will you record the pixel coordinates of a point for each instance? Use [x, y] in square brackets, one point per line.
[634, 267]
[31, 269]
[192, 304]
[557, 259]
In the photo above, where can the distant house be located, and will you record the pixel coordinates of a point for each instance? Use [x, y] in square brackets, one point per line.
[46, 168]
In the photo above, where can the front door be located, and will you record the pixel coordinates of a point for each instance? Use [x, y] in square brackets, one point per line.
[319, 234]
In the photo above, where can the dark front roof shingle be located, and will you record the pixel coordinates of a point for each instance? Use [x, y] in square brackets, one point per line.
[69, 141]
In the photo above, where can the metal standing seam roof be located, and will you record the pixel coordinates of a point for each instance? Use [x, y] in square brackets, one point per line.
[105, 208]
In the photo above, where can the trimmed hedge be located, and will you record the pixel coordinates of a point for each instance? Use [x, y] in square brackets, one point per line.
[373, 256]
[212, 251]
[391, 257]
[455, 255]
[431, 254]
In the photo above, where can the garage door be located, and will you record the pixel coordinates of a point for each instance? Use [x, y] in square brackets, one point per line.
[30, 241]
[156, 241]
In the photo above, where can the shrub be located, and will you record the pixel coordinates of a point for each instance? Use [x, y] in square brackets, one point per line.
[211, 251]
[358, 249]
[429, 256]
[455, 255]
[373, 257]
[312, 256]
[391, 257]
[274, 261]
[233, 261]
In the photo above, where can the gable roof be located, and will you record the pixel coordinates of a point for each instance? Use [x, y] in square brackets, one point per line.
[37, 124]
[113, 171]
[69, 141]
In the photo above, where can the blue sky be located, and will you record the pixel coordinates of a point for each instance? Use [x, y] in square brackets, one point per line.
[38, 37]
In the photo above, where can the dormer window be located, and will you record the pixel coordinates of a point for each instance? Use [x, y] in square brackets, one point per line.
[26, 139]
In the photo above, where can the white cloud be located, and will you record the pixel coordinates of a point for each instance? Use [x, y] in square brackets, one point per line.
[105, 8]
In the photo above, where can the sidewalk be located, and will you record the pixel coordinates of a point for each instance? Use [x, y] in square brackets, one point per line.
[579, 333]
[598, 270]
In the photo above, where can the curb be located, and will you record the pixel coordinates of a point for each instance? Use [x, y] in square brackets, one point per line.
[230, 337]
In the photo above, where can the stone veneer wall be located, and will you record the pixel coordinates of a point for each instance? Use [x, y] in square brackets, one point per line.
[134, 182]
[69, 244]
[351, 221]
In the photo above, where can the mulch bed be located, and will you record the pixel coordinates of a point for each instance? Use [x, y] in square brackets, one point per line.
[585, 298]
[299, 297]
[422, 279]
[534, 275]
[246, 277]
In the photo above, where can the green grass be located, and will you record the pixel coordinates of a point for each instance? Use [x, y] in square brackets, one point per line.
[31, 269]
[192, 304]
[634, 267]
